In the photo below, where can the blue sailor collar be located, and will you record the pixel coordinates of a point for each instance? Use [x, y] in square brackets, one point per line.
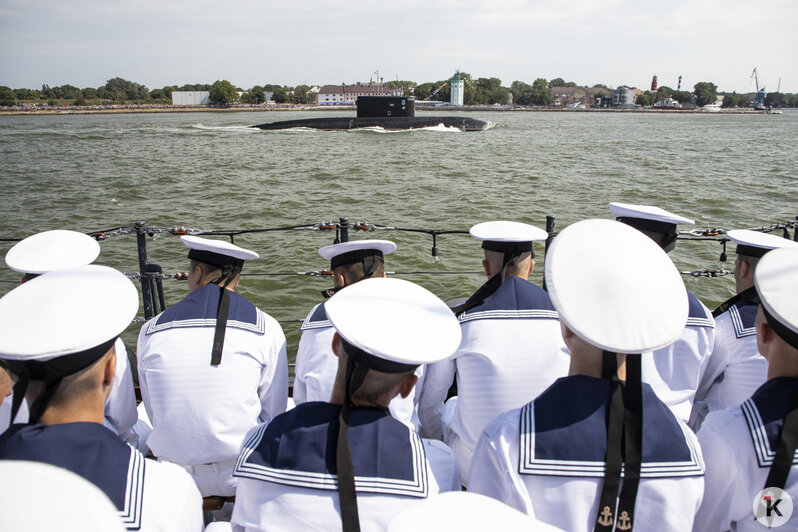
[297, 448]
[316, 319]
[91, 451]
[198, 309]
[743, 318]
[516, 298]
[564, 433]
[698, 315]
[764, 414]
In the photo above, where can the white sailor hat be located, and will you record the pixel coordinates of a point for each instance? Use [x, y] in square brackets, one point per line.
[52, 250]
[615, 288]
[464, 511]
[776, 281]
[39, 497]
[215, 252]
[504, 236]
[756, 244]
[355, 250]
[66, 311]
[647, 212]
[395, 321]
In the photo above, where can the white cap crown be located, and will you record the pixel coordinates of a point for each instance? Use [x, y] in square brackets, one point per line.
[52, 250]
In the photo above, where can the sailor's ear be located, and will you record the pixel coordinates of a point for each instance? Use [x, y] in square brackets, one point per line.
[406, 386]
[339, 280]
[109, 370]
[486, 267]
[531, 266]
[336, 344]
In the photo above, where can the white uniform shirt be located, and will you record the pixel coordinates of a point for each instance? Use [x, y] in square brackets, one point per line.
[511, 350]
[120, 407]
[739, 444]
[675, 371]
[150, 496]
[200, 413]
[735, 369]
[316, 366]
[270, 505]
[563, 465]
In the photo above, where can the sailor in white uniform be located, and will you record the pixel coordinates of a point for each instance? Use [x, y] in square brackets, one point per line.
[52, 250]
[66, 376]
[321, 465]
[316, 364]
[511, 350]
[674, 371]
[560, 458]
[736, 369]
[750, 449]
[211, 367]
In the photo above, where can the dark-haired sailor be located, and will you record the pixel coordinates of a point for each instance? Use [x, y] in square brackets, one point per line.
[349, 462]
[560, 457]
[316, 364]
[736, 369]
[211, 367]
[512, 348]
[66, 375]
[674, 371]
[52, 250]
[752, 466]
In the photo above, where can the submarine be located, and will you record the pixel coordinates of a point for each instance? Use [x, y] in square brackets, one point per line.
[387, 112]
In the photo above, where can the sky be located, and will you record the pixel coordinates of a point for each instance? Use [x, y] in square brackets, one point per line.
[248, 42]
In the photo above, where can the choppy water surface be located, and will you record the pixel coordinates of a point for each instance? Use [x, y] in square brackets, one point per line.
[208, 171]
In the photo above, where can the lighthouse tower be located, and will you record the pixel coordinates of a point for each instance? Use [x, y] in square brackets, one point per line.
[457, 89]
[654, 83]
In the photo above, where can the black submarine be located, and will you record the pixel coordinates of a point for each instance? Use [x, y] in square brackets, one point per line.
[387, 112]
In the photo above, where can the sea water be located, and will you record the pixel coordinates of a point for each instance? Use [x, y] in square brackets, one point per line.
[209, 171]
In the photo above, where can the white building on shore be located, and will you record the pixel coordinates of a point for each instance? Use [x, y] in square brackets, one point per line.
[191, 98]
[348, 94]
[456, 90]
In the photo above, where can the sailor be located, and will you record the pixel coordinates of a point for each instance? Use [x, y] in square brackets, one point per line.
[316, 364]
[66, 376]
[674, 371]
[52, 250]
[511, 350]
[735, 369]
[211, 367]
[750, 449]
[349, 461]
[560, 457]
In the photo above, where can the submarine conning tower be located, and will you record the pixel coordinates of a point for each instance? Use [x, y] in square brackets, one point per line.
[386, 106]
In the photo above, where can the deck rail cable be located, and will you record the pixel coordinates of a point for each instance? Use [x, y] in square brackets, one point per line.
[151, 275]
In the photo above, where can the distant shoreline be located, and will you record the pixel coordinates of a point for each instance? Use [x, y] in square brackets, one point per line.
[128, 109]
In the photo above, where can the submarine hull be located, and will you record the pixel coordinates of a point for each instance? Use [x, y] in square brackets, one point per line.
[389, 123]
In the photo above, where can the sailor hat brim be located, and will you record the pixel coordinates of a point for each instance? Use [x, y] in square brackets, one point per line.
[218, 247]
[464, 511]
[334, 250]
[506, 231]
[647, 212]
[52, 250]
[776, 281]
[615, 288]
[39, 496]
[394, 320]
[756, 243]
[65, 311]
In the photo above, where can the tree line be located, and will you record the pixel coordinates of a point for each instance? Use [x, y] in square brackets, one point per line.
[479, 91]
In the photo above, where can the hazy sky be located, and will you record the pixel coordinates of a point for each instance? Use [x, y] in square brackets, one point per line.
[249, 42]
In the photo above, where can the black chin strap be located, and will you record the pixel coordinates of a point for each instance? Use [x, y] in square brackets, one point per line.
[347, 494]
[222, 312]
[624, 445]
[785, 452]
[748, 294]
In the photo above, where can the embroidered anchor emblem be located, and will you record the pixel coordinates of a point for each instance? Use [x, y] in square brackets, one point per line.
[624, 523]
[606, 517]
